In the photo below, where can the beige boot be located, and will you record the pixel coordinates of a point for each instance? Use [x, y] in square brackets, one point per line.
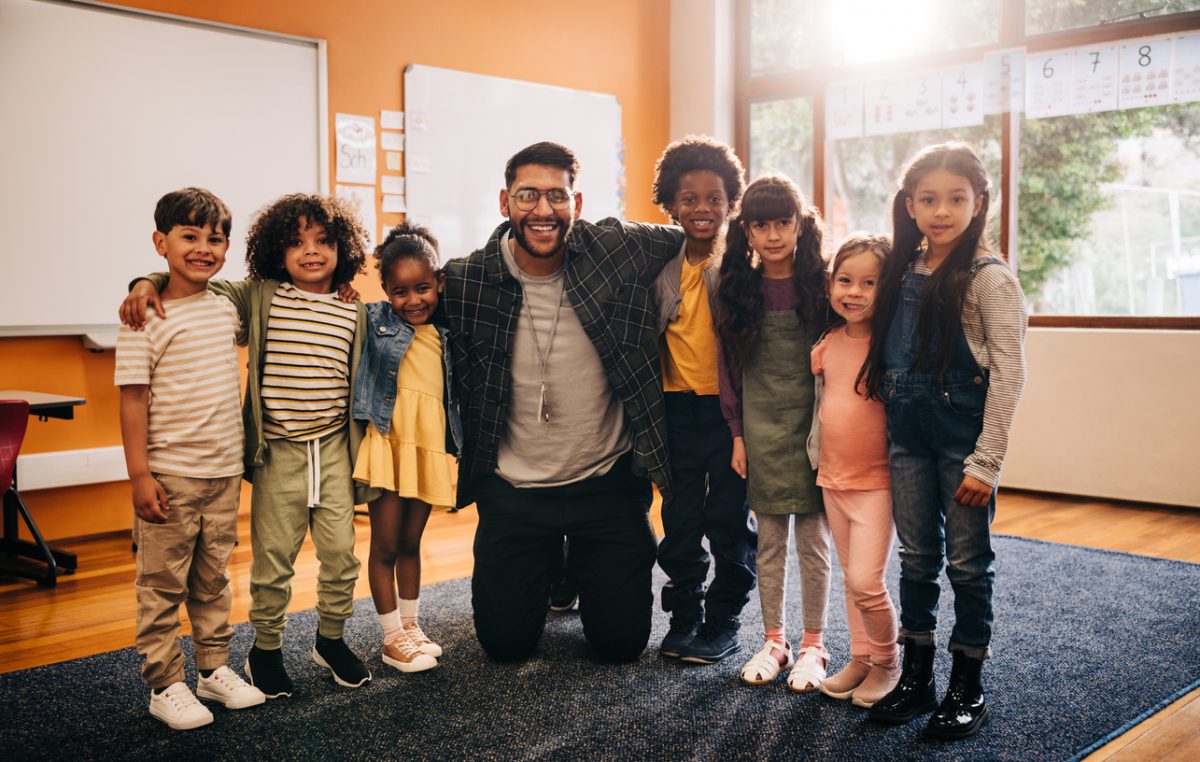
[841, 685]
[879, 683]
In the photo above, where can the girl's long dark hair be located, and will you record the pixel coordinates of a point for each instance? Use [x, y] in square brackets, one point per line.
[739, 297]
[940, 313]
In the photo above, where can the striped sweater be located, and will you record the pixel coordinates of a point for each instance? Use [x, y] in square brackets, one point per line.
[994, 320]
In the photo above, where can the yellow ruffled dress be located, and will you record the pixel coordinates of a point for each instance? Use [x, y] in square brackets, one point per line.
[411, 459]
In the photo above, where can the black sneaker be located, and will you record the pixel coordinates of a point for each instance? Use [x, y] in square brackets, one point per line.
[348, 670]
[564, 593]
[712, 644]
[265, 671]
[678, 637]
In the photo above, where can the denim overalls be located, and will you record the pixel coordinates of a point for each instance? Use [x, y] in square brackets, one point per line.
[933, 425]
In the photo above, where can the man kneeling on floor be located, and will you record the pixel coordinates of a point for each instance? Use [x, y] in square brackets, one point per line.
[555, 351]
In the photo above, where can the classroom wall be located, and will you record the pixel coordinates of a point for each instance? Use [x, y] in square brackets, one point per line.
[1109, 413]
[618, 46]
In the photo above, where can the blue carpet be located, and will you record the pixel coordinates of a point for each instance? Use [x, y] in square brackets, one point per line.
[1087, 644]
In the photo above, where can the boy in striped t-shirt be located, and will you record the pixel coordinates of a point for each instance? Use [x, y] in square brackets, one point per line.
[183, 448]
[304, 345]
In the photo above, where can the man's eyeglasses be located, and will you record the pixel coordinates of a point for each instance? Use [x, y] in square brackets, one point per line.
[527, 199]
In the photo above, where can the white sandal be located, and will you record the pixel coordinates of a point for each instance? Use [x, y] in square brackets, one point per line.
[764, 666]
[809, 671]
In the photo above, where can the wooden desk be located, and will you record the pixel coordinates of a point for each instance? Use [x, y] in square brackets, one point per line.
[12, 547]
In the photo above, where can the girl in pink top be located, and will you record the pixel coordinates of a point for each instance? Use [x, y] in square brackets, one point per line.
[849, 444]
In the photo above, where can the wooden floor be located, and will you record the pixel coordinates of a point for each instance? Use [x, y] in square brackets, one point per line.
[93, 611]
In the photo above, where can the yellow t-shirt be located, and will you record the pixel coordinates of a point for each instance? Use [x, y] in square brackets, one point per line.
[689, 359]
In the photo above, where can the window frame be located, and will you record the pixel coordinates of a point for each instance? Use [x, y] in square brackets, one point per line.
[812, 84]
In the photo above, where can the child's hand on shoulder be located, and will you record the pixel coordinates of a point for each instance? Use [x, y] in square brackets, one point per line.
[347, 293]
[133, 310]
[739, 457]
[149, 499]
[973, 493]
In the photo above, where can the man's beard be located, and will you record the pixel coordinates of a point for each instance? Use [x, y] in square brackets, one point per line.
[564, 229]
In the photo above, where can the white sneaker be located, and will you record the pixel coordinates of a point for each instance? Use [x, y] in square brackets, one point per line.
[228, 687]
[178, 708]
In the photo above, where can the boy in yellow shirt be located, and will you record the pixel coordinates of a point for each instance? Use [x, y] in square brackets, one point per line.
[698, 182]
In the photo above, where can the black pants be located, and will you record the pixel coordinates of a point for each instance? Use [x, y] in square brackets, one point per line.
[518, 554]
[709, 500]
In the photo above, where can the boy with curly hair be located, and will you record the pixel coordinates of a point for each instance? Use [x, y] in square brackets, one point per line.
[304, 348]
[698, 182]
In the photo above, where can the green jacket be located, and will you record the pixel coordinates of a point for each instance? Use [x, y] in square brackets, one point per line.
[253, 301]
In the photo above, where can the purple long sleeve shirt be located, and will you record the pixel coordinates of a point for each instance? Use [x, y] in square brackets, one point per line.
[778, 294]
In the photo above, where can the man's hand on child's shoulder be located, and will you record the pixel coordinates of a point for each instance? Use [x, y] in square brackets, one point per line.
[149, 499]
[133, 310]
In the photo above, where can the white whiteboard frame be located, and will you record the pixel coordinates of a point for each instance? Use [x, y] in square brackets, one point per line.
[106, 331]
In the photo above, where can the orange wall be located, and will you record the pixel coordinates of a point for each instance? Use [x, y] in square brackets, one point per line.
[616, 46]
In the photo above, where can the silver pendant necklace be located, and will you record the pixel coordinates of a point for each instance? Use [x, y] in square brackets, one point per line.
[543, 412]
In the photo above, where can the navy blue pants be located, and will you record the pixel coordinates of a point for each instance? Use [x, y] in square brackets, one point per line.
[708, 500]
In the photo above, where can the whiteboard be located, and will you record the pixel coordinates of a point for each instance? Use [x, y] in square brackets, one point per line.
[103, 111]
[461, 130]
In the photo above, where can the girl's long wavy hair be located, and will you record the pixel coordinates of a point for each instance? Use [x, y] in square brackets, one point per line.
[940, 312]
[739, 297]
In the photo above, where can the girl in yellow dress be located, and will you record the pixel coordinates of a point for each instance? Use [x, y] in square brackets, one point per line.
[405, 392]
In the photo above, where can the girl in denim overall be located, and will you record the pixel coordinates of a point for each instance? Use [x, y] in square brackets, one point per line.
[771, 308]
[405, 392]
[946, 358]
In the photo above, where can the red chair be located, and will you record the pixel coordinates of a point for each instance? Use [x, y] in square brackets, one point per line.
[14, 417]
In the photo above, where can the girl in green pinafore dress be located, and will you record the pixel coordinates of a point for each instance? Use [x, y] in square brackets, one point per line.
[771, 310]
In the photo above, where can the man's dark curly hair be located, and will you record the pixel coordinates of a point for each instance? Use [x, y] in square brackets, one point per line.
[693, 153]
[277, 225]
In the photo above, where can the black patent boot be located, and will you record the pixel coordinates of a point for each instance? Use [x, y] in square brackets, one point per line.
[915, 694]
[963, 712]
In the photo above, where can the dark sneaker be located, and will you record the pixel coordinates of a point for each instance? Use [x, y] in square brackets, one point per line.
[711, 644]
[678, 637]
[563, 594]
[334, 655]
[265, 671]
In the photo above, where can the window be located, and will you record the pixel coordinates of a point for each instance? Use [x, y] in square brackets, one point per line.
[863, 173]
[1099, 212]
[781, 140]
[1110, 213]
[1045, 16]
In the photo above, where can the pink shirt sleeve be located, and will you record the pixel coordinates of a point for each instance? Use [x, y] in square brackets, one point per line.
[818, 356]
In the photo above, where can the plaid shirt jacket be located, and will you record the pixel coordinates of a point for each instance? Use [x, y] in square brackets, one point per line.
[609, 268]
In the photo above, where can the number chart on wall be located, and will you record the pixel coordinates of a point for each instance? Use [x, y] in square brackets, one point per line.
[1129, 74]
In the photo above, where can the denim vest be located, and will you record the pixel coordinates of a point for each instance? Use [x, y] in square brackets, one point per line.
[388, 338]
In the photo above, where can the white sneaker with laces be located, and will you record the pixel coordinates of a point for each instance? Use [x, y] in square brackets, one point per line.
[178, 708]
[228, 687]
[764, 666]
[422, 641]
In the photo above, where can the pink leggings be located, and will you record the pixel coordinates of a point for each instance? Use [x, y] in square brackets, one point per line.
[862, 528]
